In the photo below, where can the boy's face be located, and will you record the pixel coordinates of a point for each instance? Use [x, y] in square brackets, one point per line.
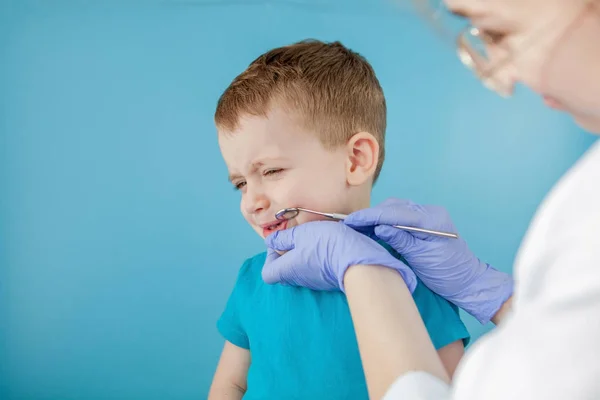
[276, 163]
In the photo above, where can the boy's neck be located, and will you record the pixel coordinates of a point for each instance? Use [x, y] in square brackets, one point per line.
[360, 201]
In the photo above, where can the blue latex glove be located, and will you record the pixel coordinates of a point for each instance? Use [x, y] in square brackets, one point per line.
[445, 265]
[318, 253]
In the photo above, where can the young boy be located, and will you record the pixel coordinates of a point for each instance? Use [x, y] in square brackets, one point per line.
[304, 126]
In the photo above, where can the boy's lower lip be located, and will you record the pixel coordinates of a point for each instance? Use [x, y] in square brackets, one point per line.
[267, 232]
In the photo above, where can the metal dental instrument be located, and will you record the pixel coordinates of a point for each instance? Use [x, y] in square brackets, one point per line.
[292, 212]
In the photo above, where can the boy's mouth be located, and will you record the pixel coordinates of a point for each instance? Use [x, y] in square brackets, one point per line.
[273, 226]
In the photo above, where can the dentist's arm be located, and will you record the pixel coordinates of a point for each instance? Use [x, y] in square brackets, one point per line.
[446, 266]
[392, 338]
[391, 335]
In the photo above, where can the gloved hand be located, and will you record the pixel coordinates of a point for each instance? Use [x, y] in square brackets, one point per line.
[445, 265]
[318, 253]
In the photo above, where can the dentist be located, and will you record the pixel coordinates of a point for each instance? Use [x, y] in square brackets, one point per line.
[547, 341]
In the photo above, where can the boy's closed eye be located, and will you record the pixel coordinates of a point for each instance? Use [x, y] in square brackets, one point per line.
[269, 172]
[272, 171]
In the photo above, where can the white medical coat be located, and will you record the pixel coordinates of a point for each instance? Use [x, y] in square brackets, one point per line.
[549, 346]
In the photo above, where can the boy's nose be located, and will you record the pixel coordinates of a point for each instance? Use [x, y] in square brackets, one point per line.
[257, 203]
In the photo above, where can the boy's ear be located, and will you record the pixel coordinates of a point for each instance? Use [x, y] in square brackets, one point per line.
[363, 155]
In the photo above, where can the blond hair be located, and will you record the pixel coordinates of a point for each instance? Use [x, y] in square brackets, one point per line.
[331, 88]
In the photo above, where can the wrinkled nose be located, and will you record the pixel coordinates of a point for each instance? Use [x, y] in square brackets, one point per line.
[255, 202]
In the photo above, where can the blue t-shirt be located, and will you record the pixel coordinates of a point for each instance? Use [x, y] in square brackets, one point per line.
[302, 342]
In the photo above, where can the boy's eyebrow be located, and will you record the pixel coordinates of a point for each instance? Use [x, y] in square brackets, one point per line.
[253, 167]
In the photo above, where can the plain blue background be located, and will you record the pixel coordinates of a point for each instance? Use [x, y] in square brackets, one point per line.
[120, 237]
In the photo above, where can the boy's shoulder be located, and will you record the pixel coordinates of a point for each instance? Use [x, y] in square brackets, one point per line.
[252, 267]
[255, 262]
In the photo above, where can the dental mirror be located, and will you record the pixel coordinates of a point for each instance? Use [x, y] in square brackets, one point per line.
[292, 212]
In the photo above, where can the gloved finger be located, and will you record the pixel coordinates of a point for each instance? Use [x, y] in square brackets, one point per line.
[272, 255]
[398, 214]
[281, 240]
[273, 267]
[270, 274]
[364, 218]
[401, 241]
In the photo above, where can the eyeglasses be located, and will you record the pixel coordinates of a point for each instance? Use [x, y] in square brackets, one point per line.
[472, 47]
